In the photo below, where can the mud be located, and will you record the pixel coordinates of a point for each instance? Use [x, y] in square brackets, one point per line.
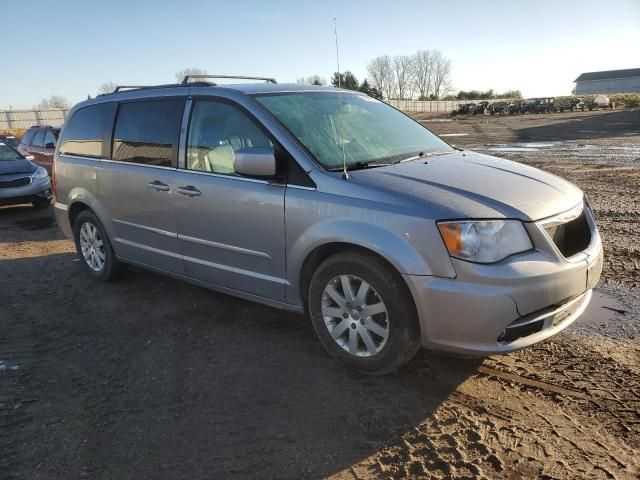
[152, 378]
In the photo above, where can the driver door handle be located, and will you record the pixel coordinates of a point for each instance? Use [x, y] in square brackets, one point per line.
[189, 190]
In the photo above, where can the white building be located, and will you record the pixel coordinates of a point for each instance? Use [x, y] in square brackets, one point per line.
[610, 81]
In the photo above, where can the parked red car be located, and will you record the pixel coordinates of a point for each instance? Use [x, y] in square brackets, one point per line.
[40, 142]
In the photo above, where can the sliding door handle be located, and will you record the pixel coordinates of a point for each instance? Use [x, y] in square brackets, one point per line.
[189, 190]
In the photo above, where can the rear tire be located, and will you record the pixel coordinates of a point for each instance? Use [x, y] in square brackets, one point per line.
[375, 309]
[94, 248]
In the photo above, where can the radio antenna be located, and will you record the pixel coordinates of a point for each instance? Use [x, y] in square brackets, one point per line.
[345, 174]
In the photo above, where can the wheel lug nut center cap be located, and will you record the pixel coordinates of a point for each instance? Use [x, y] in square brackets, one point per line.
[355, 314]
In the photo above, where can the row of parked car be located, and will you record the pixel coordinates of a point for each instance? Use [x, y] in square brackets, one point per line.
[23, 177]
[532, 105]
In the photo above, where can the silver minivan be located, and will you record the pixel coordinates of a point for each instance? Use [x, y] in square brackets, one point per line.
[331, 203]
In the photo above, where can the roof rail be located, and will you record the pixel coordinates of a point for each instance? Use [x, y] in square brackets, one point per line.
[240, 77]
[123, 87]
[119, 88]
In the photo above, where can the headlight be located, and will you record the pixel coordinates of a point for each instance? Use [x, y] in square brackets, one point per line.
[484, 241]
[39, 174]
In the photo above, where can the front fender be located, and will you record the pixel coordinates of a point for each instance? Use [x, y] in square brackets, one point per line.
[397, 249]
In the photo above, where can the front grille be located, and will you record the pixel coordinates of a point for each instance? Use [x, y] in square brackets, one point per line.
[16, 182]
[571, 237]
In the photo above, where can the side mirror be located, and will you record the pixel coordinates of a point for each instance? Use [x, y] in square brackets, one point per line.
[255, 162]
[50, 145]
[30, 157]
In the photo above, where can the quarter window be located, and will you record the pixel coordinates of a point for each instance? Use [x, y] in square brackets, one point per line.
[49, 139]
[216, 132]
[84, 134]
[147, 132]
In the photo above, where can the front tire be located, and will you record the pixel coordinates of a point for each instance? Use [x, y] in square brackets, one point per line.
[41, 204]
[363, 313]
[94, 249]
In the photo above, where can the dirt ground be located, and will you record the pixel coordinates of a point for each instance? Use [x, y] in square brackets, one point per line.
[151, 378]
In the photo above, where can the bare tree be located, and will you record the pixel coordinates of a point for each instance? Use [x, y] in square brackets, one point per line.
[422, 66]
[189, 71]
[382, 76]
[441, 74]
[403, 75]
[312, 80]
[54, 101]
[106, 87]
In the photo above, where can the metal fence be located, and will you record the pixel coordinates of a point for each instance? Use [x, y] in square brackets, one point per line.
[28, 118]
[424, 106]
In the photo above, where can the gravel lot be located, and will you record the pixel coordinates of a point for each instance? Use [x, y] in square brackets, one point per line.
[152, 378]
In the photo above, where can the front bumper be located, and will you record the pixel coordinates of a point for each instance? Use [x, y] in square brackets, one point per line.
[37, 190]
[510, 305]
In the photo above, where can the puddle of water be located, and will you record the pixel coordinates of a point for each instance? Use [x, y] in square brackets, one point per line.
[454, 134]
[513, 149]
[603, 308]
[537, 144]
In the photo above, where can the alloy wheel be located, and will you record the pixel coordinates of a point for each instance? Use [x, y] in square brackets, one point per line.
[355, 315]
[92, 246]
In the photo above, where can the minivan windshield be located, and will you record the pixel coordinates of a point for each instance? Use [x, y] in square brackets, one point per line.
[7, 153]
[371, 131]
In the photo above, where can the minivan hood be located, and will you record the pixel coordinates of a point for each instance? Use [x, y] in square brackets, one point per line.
[10, 167]
[472, 185]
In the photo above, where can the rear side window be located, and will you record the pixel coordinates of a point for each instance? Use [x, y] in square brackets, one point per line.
[49, 139]
[147, 132]
[85, 131]
[28, 136]
[38, 140]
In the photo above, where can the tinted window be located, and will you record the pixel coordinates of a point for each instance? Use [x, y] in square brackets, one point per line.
[38, 140]
[84, 133]
[49, 139]
[217, 131]
[28, 136]
[147, 132]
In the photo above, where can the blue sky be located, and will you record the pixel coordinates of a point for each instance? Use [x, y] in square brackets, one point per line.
[538, 46]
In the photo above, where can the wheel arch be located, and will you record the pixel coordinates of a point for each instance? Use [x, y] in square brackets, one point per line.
[81, 199]
[322, 252]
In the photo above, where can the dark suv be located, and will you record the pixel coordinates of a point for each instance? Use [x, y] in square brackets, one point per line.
[40, 142]
[543, 105]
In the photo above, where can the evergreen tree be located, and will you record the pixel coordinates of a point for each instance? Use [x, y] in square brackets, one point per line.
[365, 87]
[346, 80]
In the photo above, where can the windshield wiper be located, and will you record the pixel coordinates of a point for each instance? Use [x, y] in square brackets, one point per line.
[361, 166]
[421, 155]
